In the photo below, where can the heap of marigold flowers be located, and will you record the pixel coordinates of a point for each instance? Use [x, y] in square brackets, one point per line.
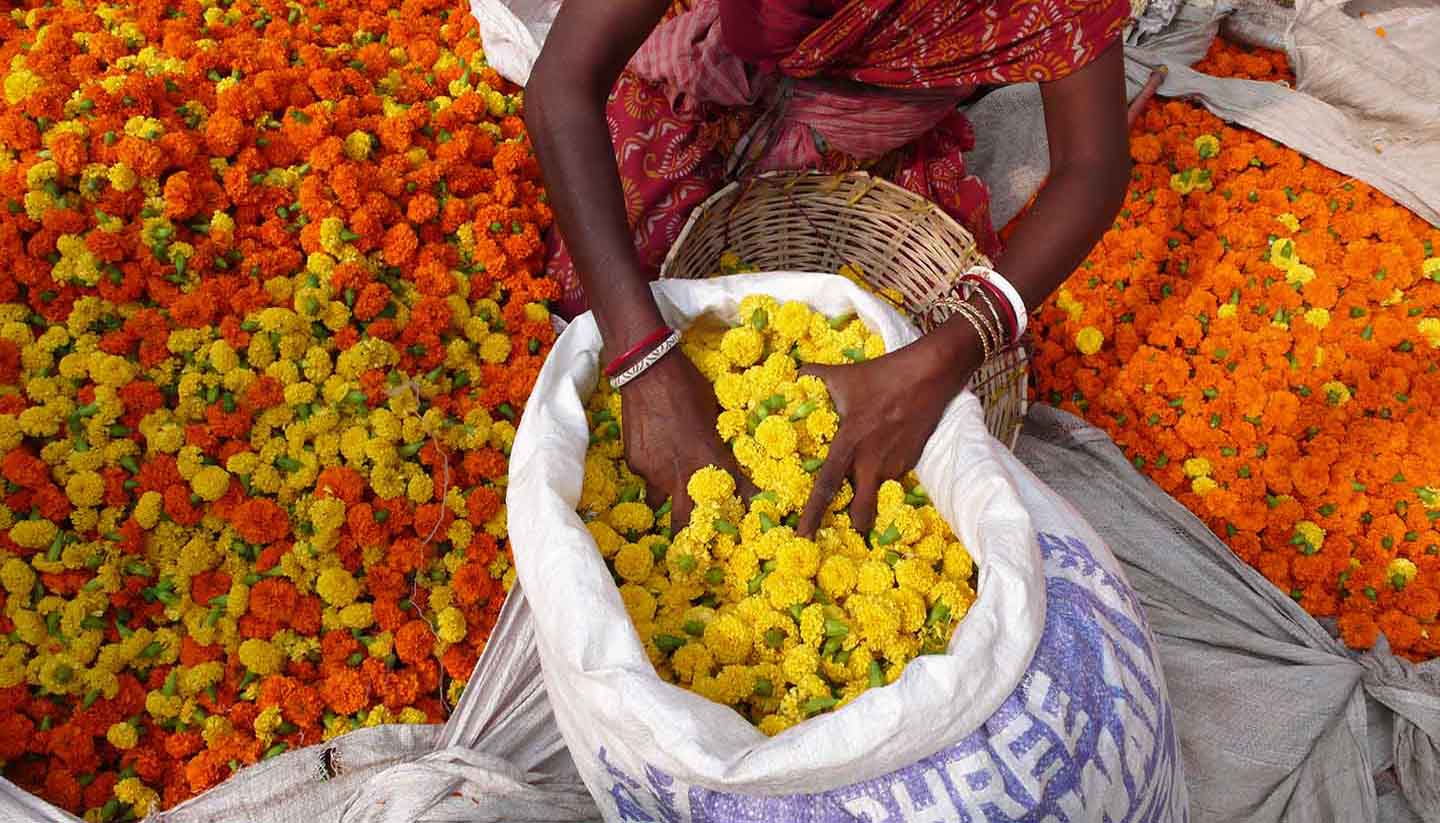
[1259, 333]
[737, 607]
[272, 304]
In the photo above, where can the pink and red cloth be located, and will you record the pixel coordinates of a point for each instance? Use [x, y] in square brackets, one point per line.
[864, 83]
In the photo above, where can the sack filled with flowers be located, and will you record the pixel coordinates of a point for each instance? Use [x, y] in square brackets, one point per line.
[1043, 698]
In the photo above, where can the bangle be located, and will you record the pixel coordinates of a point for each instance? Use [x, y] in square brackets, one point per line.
[992, 297]
[1006, 327]
[1011, 295]
[989, 335]
[646, 342]
[670, 342]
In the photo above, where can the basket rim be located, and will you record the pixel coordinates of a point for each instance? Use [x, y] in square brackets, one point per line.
[707, 205]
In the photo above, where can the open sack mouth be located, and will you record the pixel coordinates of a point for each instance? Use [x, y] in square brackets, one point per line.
[750, 619]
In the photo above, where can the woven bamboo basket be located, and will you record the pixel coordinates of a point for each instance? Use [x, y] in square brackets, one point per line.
[817, 222]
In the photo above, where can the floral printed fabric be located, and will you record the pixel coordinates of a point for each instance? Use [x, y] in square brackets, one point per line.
[678, 112]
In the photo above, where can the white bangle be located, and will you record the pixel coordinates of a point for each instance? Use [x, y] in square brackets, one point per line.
[995, 279]
[647, 361]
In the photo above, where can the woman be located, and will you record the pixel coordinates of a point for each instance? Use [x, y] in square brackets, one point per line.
[818, 83]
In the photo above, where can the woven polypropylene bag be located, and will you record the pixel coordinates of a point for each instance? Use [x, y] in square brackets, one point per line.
[1048, 703]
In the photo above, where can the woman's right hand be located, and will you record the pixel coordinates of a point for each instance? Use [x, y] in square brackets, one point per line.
[668, 418]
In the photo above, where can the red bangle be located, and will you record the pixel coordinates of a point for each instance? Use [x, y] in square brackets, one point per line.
[650, 341]
[999, 299]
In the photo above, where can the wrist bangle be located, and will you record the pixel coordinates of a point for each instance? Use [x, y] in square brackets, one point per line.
[1011, 295]
[992, 298]
[645, 343]
[670, 342]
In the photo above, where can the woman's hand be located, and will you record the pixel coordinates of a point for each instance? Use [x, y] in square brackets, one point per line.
[668, 416]
[888, 409]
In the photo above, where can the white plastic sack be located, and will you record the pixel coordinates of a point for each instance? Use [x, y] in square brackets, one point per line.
[512, 32]
[498, 758]
[1048, 705]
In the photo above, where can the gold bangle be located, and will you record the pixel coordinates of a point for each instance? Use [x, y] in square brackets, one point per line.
[983, 330]
[994, 313]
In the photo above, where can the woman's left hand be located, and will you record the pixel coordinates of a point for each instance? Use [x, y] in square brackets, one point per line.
[888, 409]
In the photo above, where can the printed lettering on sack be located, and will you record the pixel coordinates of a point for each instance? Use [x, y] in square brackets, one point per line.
[1088, 732]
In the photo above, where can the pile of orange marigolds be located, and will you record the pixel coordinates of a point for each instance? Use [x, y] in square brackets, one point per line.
[1259, 334]
[271, 305]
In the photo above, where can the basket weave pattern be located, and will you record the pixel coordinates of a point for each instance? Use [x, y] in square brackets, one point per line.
[817, 223]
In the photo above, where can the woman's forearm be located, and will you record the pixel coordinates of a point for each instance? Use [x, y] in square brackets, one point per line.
[1072, 212]
[572, 142]
[588, 47]
[1085, 119]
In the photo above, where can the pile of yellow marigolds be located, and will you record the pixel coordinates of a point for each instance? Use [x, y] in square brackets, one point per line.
[736, 606]
[1259, 333]
[271, 305]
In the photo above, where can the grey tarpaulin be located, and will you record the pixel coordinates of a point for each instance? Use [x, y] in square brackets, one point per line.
[1278, 720]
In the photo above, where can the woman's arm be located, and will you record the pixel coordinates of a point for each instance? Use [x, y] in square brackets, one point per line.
[668, 413]
[889, 407]
[588, 46]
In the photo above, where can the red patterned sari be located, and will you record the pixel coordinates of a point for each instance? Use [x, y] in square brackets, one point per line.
[825, 84]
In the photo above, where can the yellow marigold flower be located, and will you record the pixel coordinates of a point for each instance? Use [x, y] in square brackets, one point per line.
[1203, 485]
[357, 616]
[728, 639]
[743, 345]
[337, 587]
[1282, 254]
[450, 625]
[1089, 340]
[911, 605]
[798, 556]
[710, 485]
[495, 348]
[773, 724]
[358, 145]
[1336, 393]
[33, 534]
[210, 483]
[639, 603]
[692, 661]
[85, 488]
[633, 562]
[777, 435]
[1207, 146]
[1317, 317]
[606, 539]
[122, 736]
[786, 590]
[799, 663]
[631, 517]
[1429, 327]
[1299, 274]
[420, 488]
[876, 616]
[163, 706]
[875, 577]
[1289, 221]
[200, 677]
[260, 657]
[16, 576]
[791, 322]
[957, 563]
[137, 795]
[1197, 467]
[1401, 571]
[915, 574]
[1309, 535]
